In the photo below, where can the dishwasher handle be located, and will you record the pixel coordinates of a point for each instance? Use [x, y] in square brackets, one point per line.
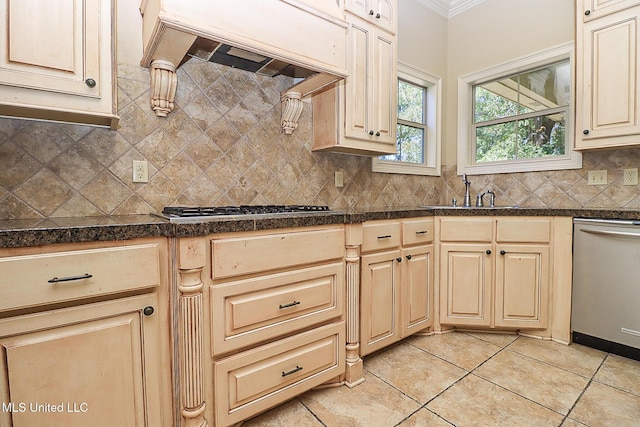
[611, 233]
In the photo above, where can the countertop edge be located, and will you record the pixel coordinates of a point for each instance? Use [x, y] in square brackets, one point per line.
[28, 233]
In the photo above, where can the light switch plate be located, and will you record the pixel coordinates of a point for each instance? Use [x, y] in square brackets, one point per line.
[597, 177]
[339, 178]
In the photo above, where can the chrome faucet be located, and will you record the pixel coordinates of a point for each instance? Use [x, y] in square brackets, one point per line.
[467, 196]
[492, 198]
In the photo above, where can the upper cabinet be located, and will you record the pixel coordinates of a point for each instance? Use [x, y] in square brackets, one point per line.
[358, 115]
[594, 9]
[378, 12]
[58, 61]
[607, 60]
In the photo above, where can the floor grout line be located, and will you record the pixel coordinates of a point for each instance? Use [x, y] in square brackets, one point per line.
[474, 371]
[310, 411]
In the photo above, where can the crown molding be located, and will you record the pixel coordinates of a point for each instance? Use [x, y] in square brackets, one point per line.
[450, 8]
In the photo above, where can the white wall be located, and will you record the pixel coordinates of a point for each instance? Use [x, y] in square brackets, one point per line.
[494, 32]
[422, 38]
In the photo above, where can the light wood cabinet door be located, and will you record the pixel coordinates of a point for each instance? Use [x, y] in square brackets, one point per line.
[358, 115]
[522, 286]
[416, 289]
[466, 275]
[378, 12]
[92, 364]
[371, 86]
[57, 62]
[384, 97]
[358, 86]
[379, 299]
[594, 9]
[608, 94]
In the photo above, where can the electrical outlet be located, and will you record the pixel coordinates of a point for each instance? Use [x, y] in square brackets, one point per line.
[630, 176]
[598, 177]
[140, 171]
[339, 178]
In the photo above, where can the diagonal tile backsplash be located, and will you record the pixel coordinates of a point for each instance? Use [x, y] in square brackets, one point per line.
[223, 145]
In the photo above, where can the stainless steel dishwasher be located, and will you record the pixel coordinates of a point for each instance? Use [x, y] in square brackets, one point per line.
[605, 311]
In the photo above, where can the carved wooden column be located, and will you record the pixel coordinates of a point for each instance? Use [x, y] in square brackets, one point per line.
[163, 87]
[291, 111]
[190, 326]
[354, 369]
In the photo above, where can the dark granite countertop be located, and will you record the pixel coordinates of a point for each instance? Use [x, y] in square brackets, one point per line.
[37, 232]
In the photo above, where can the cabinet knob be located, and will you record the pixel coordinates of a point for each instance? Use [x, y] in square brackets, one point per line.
[370, 132]
[377, 16]
[488, 252]
[371, 12]
[148, 311]
[409, 256]
[90, 82]
[587, 12]
[399, 259]
[502, 252]
[586, 131]
[377, 133]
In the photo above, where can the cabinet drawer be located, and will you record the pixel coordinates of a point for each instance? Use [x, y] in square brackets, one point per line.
[380, 235]
[415, 232]
[252, 254]
[466, 229]
[523, 230]
[256, 380]
[248, 311]
[32, 280]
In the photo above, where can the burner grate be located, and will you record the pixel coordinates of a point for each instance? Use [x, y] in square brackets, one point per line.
[185, 212]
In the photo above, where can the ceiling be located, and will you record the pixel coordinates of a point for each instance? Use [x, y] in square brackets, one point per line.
[449, 8]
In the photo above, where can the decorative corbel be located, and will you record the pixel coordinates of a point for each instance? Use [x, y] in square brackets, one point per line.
[291, 111]
[163, 87]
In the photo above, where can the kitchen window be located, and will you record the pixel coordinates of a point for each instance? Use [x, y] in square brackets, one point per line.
[418, 129]
[516, 117]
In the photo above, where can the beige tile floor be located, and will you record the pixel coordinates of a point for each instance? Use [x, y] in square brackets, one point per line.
[476, 379]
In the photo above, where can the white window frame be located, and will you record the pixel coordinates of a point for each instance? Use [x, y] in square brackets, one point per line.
[466, 155]
[432, 137]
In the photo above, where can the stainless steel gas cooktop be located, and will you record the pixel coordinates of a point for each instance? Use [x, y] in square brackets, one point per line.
[195, 214]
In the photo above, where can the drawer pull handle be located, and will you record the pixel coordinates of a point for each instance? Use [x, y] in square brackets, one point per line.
[293, 371]
[70, 278]
[291, 304]
[388, 236]
[421, 232]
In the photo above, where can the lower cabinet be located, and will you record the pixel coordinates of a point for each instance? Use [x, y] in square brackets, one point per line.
[84, 335]
[82, 366]
[497, 276]
[522, 286]
[272, 309]
[396, 281]
[379, 300]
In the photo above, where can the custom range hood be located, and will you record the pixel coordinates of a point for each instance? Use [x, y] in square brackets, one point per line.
[297, 38]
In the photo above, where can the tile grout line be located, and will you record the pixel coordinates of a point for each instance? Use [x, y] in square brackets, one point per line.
[311, 412]
[491, 382]
[585, 389]
[527, 398]
[424, 406]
